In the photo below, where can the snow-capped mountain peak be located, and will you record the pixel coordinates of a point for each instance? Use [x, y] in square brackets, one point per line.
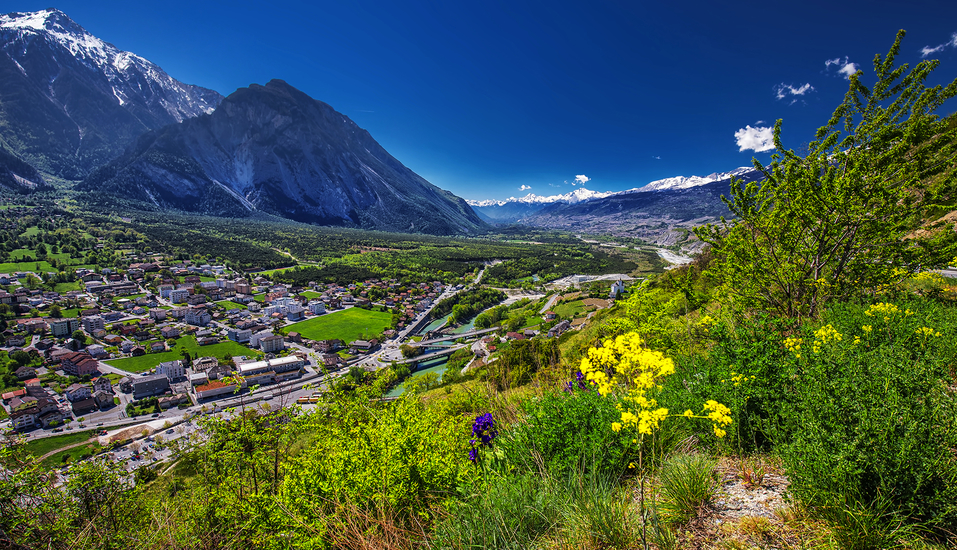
[130, 76]
[682, 182]
[578, 195]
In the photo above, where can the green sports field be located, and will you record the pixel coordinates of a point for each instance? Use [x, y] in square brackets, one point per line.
[151, 360]
[347, 325]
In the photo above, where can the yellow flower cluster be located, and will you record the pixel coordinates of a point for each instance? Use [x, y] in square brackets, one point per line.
[886, 311]
[625, 362]
[719, 416]
[927, 332]
[794, 346]
[706, 323]
[823, 335]
[737, 379]
[867, 328]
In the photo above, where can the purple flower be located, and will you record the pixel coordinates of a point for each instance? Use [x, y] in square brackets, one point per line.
[484, 431]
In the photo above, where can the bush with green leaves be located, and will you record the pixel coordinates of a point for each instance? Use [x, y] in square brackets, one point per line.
[399, 454]
[871, 416]
[562, 431]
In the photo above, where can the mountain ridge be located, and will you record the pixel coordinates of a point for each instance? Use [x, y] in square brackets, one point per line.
[71, 101]
[275, 149]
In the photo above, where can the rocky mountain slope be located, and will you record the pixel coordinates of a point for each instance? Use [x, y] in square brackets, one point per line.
[70, 101]
[275, 149]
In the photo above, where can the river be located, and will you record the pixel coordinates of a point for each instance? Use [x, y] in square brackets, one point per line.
[437, 366]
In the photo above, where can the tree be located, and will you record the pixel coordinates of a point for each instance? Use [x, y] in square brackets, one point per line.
[80, 337]
[841, 220]
[55, 312]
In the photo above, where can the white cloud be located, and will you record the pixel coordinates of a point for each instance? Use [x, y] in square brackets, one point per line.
[783, 90]
[844, 66]
[581, 179]
[758, 123]
[656, 157]
[524, 187]
[758, 139]
[927, 50]
[849, 69]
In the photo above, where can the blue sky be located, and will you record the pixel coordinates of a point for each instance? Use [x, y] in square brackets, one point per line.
[494, 99]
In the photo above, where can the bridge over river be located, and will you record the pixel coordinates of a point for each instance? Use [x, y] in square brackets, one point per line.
[454, 337]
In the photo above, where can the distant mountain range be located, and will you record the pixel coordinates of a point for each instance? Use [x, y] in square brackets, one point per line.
[662, 216]
[537, 210]
[78, 108]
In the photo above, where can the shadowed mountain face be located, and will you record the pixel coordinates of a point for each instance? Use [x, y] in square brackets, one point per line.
[70, 102]
[275, 149]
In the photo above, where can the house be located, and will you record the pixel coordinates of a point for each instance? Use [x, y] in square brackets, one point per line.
[174, 370]
[102, 384]
[158, 346]
[272, 343]
[35, 388]
[196, 299]
[295, 312]
[84, 406]
[138, 351]
[126, 384]
[78, 392]
[198, 379]
[93, 322]
[616, 289]
[178, 312]
[204, 363]
[179, 295]
[332, 360]
[103, 400]
[16, 340]
[170, 332]
[254, 340]
[148, 386]
[79, 364]
[207, 341]
[360, 346]
[558, 329]
[198, 316]
[317, 307]
[239, 335]
[550, 315]
[35, 326]
[25, 373]
[219, 371]
[294, 337]
[97, 351]
[63, 328]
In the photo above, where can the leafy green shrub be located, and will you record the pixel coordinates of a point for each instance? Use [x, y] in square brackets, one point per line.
[687, 482]
[567, 431]
[400, 454]
[870, 418]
